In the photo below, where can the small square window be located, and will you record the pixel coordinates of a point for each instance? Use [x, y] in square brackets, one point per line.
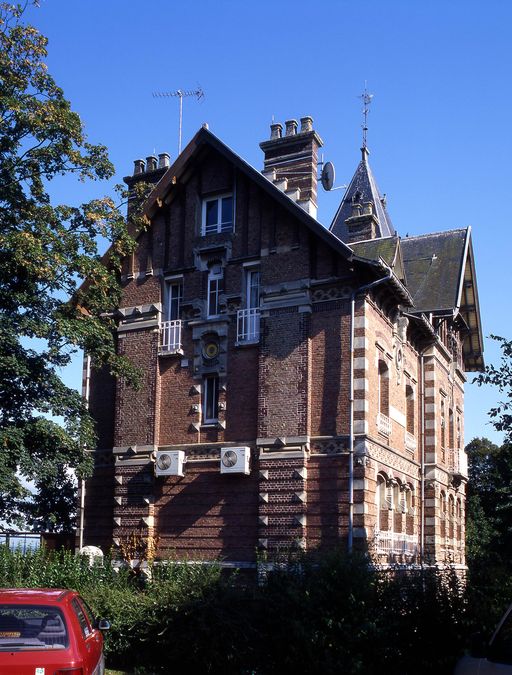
[218, 215]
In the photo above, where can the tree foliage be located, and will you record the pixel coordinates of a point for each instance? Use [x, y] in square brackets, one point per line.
[46, 250]
[501, 377]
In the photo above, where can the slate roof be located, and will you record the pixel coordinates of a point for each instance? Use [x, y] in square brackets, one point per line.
[363, 182]
[441, 278]
[433, 264]
[387, 248]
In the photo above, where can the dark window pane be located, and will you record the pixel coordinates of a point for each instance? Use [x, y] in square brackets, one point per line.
[212, 214]
[175, 293]
[211, 395]
[84, 625]
[227, 211]
[32, 627]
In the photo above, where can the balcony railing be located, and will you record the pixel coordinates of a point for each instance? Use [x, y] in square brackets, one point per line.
[384, 424]
[458, 461]
[248, 325]
[410, 442]
[453, 460]
[396, 543]
[170, 337]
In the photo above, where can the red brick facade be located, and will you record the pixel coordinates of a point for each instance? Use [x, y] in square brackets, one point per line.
[280, 389]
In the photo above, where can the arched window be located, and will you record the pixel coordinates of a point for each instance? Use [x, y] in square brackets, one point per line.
[458, 520]
[442, 513]
[380, 498]
[451, 516]
[409, 501]
[443, 431]
[459, 436]
[397, 497]
[409, 408]
[383, 388]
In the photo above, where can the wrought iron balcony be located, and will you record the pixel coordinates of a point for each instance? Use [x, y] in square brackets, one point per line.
[248, 325]
[170, 337]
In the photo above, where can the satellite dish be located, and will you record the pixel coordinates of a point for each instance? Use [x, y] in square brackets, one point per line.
[327, 176]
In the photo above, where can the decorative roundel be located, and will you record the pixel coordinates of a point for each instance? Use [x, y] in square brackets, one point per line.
[164, 462]
[211, 350]
[229, 458]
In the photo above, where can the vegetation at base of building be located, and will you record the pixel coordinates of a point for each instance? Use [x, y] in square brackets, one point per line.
[46, 249]
[325, 615]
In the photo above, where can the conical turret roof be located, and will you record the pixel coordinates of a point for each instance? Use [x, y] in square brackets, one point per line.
[363, 188]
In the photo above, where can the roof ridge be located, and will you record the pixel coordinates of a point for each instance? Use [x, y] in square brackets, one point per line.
[433, 234]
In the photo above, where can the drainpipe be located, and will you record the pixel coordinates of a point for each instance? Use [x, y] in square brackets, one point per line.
[355, 292]
[82, 482]
[422, 468]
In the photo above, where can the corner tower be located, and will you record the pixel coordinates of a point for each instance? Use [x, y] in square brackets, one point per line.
[362, 214]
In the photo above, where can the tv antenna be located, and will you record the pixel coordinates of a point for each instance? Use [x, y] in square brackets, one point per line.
[366, 98]
[181, 94]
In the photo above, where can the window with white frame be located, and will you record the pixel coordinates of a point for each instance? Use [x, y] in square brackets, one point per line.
[172, 300]
[248, 319]
[210, 399]
[170, 328]
[217, 214]
[215, 280]
[253, 288]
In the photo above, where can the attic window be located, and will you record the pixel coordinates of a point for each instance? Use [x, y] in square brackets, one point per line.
[218, 214]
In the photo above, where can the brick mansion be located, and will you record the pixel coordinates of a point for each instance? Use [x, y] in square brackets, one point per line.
[303, 384]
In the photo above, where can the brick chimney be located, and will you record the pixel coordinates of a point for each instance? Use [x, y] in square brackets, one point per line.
[291, 161]
[149, 171]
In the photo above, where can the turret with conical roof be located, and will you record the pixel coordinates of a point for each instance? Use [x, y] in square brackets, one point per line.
[362, 214]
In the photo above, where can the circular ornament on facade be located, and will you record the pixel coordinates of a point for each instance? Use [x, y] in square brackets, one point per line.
[211, 350]
[229, 458]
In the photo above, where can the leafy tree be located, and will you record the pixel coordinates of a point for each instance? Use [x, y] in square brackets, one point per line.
[489, 504]
[46, 315]
[481, 522]
[501, 377]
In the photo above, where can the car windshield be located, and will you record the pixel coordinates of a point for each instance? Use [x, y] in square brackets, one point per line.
[32, 627]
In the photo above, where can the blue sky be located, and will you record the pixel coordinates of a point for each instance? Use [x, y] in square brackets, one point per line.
[439, 132]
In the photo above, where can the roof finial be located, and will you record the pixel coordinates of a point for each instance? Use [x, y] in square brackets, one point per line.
[366, 98]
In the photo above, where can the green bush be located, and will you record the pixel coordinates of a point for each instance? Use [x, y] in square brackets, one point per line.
[331, 615]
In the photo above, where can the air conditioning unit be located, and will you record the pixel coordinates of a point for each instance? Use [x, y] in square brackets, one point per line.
[169, 462]
[235, 460]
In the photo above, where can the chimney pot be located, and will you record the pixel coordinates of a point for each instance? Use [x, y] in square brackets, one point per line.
[139, 166]
[150, 163]
[356, 209]
[276, 130]
[291, 127]
[306, 124]
[164, 160]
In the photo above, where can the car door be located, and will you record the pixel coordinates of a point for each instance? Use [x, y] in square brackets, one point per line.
[93, 639]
